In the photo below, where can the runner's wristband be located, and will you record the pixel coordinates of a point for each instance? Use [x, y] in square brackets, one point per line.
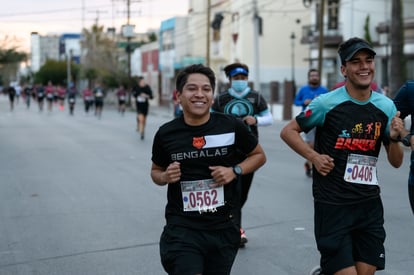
[406, 140]
[394, 140]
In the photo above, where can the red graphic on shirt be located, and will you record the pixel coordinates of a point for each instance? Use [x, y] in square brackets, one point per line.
[308, 112]
[199, 142]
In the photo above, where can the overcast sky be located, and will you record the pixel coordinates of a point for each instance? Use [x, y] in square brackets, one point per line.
[18, 18]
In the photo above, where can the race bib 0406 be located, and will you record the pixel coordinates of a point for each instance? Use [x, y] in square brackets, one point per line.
[361, 169]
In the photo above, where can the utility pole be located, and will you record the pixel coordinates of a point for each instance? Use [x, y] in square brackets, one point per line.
[208, 33]
[320, 54]
[83, 14]
[292, 38]
[68, 69]
[256, 46]
[129, 40]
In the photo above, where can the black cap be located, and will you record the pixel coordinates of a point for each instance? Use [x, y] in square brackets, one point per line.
[235, 69]
[347, 53]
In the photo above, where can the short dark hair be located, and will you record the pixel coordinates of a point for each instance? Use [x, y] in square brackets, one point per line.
[312, 70]
[182, 76]
[350, 47]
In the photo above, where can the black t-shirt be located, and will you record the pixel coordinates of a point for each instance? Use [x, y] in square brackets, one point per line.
[137, 90]
[223, 141]
[250, 104]
[11, 91]
[404, 100]
[28, 91]
[351, 132]
[40, 92]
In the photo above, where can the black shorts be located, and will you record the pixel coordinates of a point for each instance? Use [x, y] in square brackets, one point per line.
[99, 103]
[186, 251]
[346, 234]
[142, 108]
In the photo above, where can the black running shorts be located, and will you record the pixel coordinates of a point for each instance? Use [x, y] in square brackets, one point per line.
[346, 234]
[142, 108]
[186, 251]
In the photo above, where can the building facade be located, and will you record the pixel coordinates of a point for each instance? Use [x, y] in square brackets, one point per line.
[262, 34]
[53, 47]
[368, 19]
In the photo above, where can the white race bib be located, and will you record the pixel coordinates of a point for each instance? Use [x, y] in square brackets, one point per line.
[361, 169]
[199, 195]
[141, 99]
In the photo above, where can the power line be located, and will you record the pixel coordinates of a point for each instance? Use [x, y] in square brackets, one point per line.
[34, 13]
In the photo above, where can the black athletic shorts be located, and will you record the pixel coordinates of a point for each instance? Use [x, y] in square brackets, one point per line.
[186, 251]
[99, 103]
[346, 234]
[142, 108]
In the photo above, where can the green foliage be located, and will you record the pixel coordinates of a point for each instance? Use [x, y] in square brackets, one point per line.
[367, 34]
[10, 60]
[110, 81]
[152, 37]
[8, 56]
[90, 74]
[55, 71]
[115, 80]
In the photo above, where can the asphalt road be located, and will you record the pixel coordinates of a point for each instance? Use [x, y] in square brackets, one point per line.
[76, 197]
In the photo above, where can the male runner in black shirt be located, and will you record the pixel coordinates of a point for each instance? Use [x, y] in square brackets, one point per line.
[352, 122]
[201, 156]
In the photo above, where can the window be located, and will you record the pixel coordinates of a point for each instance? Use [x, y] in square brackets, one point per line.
[333, 7]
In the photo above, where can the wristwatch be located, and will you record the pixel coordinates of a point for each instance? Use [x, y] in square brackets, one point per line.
[237, 170]
[406, 140]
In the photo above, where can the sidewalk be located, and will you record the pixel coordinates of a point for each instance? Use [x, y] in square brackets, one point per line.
[163, 111]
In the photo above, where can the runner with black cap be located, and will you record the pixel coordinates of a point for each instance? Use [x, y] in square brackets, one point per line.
[249, 106]
[352, 123]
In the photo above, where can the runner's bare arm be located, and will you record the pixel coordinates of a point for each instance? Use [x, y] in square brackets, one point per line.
[163, 176]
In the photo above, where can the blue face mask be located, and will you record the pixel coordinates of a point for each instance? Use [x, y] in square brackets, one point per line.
[239, 85]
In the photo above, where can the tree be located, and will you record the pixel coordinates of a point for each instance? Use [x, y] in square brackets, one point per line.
[397, 61]
[152, 37]
[10, 59]
[367, 34]
[90, 74]
[100, 55]
[55, 71]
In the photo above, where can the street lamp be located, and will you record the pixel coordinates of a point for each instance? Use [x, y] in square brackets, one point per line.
[307, 3]
[292, 37]
[69, 60]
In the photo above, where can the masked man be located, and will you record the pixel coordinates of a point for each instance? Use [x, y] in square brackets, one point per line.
[249, 106]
